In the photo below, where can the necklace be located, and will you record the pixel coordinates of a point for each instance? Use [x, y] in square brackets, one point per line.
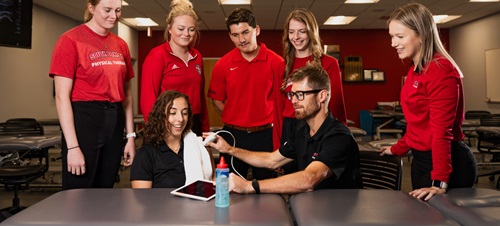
[98, 36]
[104, 43]
[175, 150]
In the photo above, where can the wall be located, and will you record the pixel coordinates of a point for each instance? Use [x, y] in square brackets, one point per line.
[130, 36]
[26, 90]
[372, 45]
[468, 43]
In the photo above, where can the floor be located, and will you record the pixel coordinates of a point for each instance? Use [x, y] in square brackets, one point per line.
[43, 188]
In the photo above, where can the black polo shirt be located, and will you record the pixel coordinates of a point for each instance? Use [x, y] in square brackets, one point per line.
[161, 166]
[333, 145]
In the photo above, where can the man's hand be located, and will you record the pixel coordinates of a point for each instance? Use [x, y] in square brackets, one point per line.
[219, 143]
[239, 185]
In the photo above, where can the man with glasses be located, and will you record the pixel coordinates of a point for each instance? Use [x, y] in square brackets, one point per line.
[326, 152]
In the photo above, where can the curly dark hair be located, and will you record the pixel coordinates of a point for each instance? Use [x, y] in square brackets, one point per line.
[158, 125]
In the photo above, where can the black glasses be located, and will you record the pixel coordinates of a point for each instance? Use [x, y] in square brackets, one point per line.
[300, 94]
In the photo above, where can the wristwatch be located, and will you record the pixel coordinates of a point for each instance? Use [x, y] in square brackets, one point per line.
[129, 135]
[439, 184]
[255, 185]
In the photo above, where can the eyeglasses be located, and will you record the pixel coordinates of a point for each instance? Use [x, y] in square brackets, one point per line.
[301, 94]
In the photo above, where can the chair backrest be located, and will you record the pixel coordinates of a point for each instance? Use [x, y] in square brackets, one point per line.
[475, 114]
[380, 172]
[492, 120]
[21, 128]
[21, 120]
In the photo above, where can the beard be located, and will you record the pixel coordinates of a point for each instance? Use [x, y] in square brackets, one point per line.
[308, 112]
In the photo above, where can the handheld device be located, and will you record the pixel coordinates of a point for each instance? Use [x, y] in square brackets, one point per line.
[209, 139]
[201, 190]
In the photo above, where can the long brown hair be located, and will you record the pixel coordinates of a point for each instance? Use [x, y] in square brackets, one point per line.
[418, 18]
[158, 125]
[307, 17]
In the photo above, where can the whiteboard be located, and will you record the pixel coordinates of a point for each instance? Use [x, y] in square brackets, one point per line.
[493, 75]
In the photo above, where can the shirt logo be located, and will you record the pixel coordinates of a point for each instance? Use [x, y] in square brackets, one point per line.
[233, 68]
[175, 67]
[198, 69]
[415, 84]
[315, 155]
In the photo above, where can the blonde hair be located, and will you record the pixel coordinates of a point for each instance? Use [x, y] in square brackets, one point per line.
[307, 17]
[418, 18]
[180, 8]
[88, 16]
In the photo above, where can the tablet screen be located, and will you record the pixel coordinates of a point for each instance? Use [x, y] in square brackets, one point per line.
[200, 189]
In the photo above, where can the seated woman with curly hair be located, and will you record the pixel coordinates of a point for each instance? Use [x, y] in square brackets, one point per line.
[171, 154]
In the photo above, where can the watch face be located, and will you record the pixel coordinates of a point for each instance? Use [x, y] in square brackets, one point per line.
[439, 184]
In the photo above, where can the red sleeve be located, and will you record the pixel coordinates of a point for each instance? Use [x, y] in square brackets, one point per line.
[205, 122]
[279, 100]
[443, 93]
[401, 147]
[336, 106]
[64, 58]
[152, 74]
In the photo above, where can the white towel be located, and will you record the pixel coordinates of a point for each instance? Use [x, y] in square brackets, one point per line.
[197, 164]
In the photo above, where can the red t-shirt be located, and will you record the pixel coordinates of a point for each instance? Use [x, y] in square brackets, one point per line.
[162, 71]
[249, 89]
[336, 105]
[98, 65]
[433, 104]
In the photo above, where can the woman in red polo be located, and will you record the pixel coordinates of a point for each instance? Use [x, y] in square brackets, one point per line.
[175, 65]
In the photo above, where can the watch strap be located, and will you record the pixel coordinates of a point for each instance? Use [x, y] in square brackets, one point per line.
[255, 185]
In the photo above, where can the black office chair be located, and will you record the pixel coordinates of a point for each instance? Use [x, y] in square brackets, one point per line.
[473, 115]
[488, 142]
[17, 176]
[380, 172]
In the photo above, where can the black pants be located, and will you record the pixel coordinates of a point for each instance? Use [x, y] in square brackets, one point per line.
[258, 141]
[196, 128]
[463, 162]
[99, 129]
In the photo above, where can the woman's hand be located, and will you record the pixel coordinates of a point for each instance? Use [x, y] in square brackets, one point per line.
[76, 161]
[385, 151]
[129, 152]
[427, 192]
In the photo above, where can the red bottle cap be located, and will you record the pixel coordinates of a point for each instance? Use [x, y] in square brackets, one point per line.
[222, 163]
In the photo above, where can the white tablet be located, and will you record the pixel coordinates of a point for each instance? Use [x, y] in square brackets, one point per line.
[200, 189]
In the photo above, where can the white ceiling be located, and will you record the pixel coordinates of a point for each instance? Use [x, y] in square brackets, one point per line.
[271, 14]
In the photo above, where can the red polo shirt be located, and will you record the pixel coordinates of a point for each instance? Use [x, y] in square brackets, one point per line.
[246, 86]
[249, 89]
[162, 70]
